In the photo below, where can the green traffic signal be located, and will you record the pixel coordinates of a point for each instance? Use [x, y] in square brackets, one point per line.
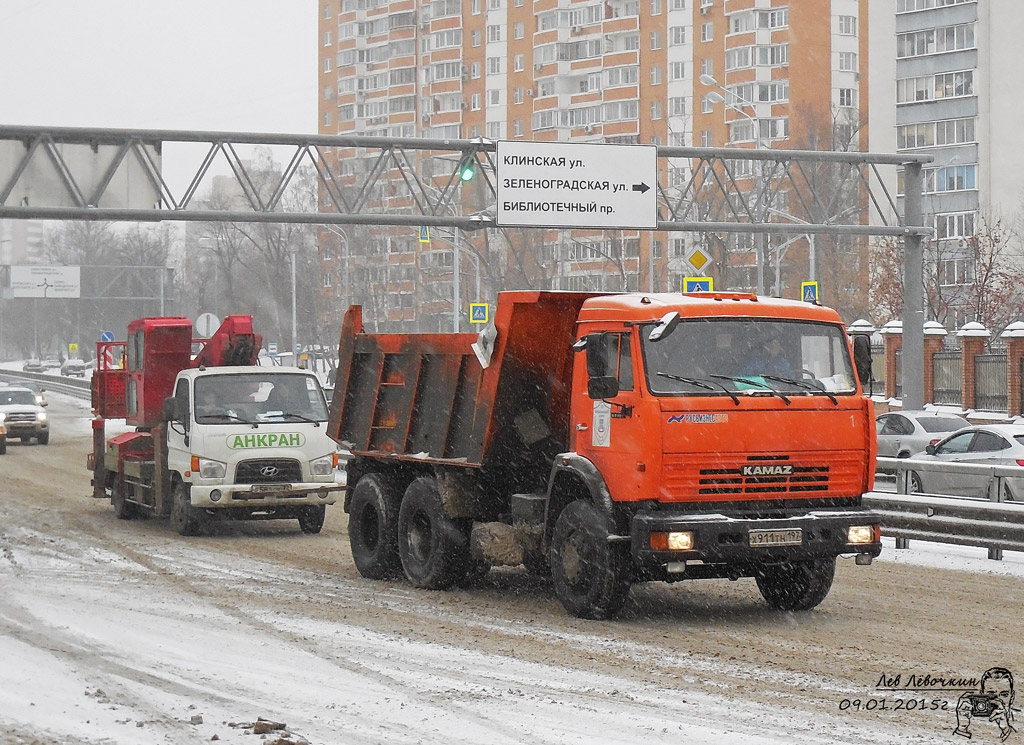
[468, 172]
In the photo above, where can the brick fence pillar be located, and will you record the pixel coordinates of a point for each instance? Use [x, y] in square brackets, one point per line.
[934, 339]
[1014, 336]
[973, 337]
[892, 332]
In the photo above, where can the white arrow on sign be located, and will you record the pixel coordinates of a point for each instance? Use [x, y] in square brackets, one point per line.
[561, 184]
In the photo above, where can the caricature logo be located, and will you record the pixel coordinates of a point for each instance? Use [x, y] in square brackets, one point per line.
[992, 705]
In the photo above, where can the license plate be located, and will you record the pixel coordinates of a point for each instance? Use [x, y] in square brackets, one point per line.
[264, 488]
[794, 537]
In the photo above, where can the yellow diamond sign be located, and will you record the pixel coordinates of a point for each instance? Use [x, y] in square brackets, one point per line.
[698, 259]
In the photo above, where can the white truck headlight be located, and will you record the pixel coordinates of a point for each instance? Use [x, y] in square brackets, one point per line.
[41, 416]
[323, 466]
[211, 469]
[860, 534]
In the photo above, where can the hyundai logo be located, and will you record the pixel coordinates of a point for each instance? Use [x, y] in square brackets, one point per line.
[268, 471]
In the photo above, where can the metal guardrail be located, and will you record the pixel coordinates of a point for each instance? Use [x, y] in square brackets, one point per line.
[990, 523]
[78, 387]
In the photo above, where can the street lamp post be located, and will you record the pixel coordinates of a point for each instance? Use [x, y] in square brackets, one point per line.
[295, 325]
[716, 97]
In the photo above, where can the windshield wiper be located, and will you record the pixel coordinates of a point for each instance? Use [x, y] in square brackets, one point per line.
[292, 415]
[701, 384]
[748, 381]
[803, 384]
[223, 415]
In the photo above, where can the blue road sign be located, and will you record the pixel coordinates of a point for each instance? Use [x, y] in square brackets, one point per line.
[424, 234]
[809, 292]
[106, 336]
[698, 284]
[479, 312]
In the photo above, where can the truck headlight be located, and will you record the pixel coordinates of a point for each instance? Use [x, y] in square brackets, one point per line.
[861, 534]
[681, 540]
[323, 466]
[41, 416]
[211, 469]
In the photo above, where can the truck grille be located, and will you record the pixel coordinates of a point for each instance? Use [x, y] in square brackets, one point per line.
[685, 477]
[268, 471]
[21, 418]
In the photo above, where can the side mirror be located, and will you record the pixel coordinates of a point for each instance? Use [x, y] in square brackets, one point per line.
[930, 449]
[862, 359]
[665, 326]
[603, 386]
[170, 410]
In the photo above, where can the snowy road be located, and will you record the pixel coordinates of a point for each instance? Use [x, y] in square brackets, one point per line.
[124, 632]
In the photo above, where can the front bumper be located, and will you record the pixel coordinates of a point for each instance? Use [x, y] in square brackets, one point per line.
[264, 495]
[720, 539]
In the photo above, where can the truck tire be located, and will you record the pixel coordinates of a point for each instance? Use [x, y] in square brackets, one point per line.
[123, 509]
[311, 519]
[434, 549]
[591, 576]
[373, 527]
[799, 585]
[185, 518]
[43, 439]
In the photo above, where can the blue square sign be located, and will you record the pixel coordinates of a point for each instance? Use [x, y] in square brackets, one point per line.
[479, 313]
[698, 284]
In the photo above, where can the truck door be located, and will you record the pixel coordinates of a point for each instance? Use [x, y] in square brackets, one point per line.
[178, 431]
[608, 425]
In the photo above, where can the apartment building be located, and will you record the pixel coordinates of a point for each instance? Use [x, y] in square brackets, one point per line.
[744, 73]
[953, 98]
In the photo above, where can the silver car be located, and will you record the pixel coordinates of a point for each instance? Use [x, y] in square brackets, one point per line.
[986, 445]
[901, 433]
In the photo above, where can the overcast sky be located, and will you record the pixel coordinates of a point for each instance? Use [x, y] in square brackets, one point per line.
[233, 65]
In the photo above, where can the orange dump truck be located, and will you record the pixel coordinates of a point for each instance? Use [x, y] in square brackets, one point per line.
[611, 439]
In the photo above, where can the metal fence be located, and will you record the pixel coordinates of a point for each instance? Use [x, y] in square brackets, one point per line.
[946, 369]
[990, 392]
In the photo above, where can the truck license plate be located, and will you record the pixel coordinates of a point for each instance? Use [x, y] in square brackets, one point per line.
[793, 537]
[264, 488]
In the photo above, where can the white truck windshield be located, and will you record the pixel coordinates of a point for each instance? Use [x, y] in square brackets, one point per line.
[702, 356]
[259, 397]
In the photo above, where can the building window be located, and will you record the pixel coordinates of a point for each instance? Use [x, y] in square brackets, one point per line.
[327, 38]
[518, 29]
[655, 7]
[474, 102]
[848, 61]
[518, 63]
[676, 70]
[677, 106]
[494, 32]
[931, 87]
[935, 41]
[706, 140]
[655, 110]
[678, 4]
[707, 31]
[908, 6]
[950, 178]
[955, 272]
[846, 97]
[327, 279]
[474, 71]
[676, 36]
[517, 128]
[655, 40]
[475, 37]
[327, 11]
[327, 64]
[954, 225]
[475, 7]
[848, 25]
[656, 75]
[494, 65]
[494, 97]
[707, 67]
[327, 118]
[706, 105]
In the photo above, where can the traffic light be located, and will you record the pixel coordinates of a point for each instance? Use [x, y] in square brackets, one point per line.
[467, 172]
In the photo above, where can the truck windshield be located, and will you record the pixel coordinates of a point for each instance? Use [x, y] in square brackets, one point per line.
[259, 397]
[709, 356]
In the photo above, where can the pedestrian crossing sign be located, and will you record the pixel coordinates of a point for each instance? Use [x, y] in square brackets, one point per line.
[424, 234]
[479, 312]
[698, 284]
[809, 292]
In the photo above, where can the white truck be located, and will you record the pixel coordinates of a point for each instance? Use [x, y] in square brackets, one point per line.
[213, 438]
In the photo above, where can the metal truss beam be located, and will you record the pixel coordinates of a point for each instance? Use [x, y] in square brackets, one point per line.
[700, 189]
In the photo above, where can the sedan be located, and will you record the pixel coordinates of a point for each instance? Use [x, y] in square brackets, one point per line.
[901, 433]
[985, 445]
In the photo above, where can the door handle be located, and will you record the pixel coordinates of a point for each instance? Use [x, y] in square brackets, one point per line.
[582, 427]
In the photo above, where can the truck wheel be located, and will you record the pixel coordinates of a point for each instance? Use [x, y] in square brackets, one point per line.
[373, 527]
[591, 576]
[43, 439]
[311, 519]
[123, 509]
[798, 585]
[434, 549]
[185, 518]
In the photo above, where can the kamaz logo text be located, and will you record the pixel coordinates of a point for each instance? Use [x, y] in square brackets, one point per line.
[767, 470]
